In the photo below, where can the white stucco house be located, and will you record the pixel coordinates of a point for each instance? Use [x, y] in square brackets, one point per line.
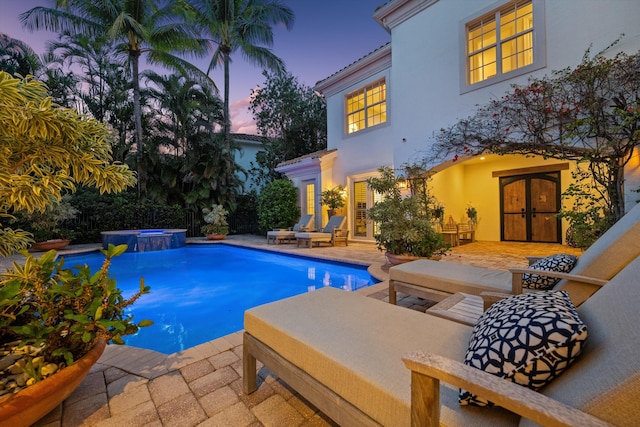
[445, 58]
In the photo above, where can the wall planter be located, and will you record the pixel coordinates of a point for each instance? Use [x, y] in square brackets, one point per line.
[34, 402]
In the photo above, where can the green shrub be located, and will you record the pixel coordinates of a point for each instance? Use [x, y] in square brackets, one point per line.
[277, 205]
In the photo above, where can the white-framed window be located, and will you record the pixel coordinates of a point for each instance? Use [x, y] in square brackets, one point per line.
[366, 107]
[504, 42]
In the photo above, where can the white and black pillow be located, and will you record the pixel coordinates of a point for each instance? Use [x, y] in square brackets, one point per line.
[562, 263]
[528, 339]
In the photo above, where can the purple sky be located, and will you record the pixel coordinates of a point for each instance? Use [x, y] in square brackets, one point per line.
[327, 35]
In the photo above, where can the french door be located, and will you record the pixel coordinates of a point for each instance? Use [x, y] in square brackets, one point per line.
[363, 199]
[529, 205]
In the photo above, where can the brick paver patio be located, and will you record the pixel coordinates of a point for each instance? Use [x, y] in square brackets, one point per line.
[202, 386]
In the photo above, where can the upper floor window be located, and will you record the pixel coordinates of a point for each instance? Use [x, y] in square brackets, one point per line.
[366, 107]
[503, 40]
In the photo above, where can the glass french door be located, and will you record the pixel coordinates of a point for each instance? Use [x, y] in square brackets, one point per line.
[363, 199]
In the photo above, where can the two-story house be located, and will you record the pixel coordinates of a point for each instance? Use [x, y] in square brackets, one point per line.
[445, 58]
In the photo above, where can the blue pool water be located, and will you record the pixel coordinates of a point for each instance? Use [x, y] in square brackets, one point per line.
[199, 293]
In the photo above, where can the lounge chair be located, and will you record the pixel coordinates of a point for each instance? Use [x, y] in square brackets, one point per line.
[437, 280]
[343, 352]
[327, 235]
[280, 235]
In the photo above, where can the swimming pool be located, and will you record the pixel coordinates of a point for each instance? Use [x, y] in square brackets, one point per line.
[200, 292]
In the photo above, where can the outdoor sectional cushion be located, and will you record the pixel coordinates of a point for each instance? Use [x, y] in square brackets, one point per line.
[354, 345]
[561, 263]
[452, 277]
[529, 339]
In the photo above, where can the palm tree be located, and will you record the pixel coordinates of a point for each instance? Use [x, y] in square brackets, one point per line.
[17, 57]
[244, 25]
[139, 26]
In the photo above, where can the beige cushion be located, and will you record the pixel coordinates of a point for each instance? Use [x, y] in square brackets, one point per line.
[605, 380]
[607, 256]
[451, 277]
[316, 236]
[281, 234]
[354, 345]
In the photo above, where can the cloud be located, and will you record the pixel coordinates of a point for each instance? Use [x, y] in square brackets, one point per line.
[241, 118]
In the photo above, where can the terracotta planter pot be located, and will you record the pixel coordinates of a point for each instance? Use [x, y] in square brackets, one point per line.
[29, 405]
[47, 245]
[395, 259]
[215, 236]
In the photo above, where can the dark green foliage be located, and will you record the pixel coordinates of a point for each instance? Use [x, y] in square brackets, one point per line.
[277, 205]
[119, 212]
[244, 218]
[405, 224]
[587, 216]
[293, 116]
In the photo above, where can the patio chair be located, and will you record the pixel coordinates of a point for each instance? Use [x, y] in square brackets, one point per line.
[327, 235]
[437, 280]
[342, 351]
[279, 235]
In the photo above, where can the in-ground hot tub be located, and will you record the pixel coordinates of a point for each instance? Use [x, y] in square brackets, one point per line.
[146, 240]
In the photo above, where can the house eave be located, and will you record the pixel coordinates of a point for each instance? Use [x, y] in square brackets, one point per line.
[395, 12]
[307, 164]
[374, 62]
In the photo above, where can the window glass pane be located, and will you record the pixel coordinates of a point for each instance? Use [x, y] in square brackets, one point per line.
[489, 38]
[508, 48]
[310, 199]
[489, 70]
[509, 63]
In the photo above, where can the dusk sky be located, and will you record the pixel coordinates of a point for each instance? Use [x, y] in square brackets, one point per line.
[327, 35]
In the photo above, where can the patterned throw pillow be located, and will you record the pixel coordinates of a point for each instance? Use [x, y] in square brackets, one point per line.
[562, 263]
[528, 339]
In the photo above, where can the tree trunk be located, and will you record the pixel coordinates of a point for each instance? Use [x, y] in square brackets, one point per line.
[227, 119]
[137, 115]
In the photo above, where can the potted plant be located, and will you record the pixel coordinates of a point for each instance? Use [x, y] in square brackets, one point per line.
[216, 227]
[45, 226]
[333, 198]
[472, 214]
[404, 224]
[54, 324]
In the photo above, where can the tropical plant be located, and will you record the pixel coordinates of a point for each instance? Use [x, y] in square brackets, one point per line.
[45, 151]
[215, 219]
[61, 311]
[243, 25]
[47, 225]
[277, 205]
[404, 224]
[139, 27]
[589, 114]
[17, 57]
[333, 198]
[472, 213]
[292, 117]
[586, 217]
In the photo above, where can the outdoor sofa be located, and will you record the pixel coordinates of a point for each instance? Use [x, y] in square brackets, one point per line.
[346, 354]
[437, 280]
